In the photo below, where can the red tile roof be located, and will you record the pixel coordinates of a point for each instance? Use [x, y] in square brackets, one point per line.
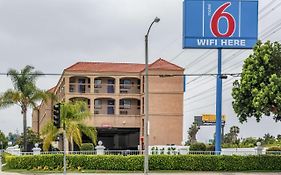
[164, 65]
[52, 89]
[121, 67]
[105, 67]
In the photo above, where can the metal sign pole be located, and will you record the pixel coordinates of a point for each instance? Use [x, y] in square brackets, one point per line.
[218, 105]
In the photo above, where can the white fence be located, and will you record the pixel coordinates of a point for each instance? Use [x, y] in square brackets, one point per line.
[155, 150]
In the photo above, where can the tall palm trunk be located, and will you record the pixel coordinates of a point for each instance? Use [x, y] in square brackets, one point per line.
[71, 144]
[24, 130]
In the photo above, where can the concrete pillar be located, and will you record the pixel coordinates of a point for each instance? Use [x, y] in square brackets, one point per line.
[100, 148]
[117, 105]
[259, 148]
[66, 86]
[16, 151]
[92, 90]
[117, 85]
[36, 150]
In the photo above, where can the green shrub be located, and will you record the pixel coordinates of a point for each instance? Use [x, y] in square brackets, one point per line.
[210, 148]
[4, 155]
[197, 147]
[273, 150]
[87, 147]
[156, 162]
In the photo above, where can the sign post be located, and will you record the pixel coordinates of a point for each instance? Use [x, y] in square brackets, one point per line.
[218, 105]
[220, 24]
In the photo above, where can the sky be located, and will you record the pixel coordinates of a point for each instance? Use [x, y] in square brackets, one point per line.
[54, 34]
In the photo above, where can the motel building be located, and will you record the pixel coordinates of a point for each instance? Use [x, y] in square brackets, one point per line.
[114, 93]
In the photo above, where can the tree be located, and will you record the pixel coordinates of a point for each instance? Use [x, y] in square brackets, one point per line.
[268, 139]
[13, 137]
[73, 114]
[25, 93]
[31, 139]
[278, 137]
[249, 142]
[234, 131]
[258, 92]
[193, 130]
[3, 141]
[232, 136]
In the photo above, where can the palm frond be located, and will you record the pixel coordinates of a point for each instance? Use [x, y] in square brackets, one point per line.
[10, 97]
[90, 132]
[15, 77]
[76, 135]
[49, 133]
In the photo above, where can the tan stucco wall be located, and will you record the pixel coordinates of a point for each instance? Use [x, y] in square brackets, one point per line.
[166, 108]
[165, 104]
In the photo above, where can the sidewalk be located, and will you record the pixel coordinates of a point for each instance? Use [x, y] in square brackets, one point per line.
[191, 173]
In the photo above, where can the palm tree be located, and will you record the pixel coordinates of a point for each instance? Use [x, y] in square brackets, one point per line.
[73, 116]
[25, 93]
[192, 132]
[234, 131]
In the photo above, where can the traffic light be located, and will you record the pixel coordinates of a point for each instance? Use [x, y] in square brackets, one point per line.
[56, 115]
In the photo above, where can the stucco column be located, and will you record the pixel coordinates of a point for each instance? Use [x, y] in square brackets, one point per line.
[92, 90]
[117, 110]
[66, 87]
[117, 85]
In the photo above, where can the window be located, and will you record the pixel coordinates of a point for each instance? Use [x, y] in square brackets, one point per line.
[142, 109]
[142, 84]
[97, 83]
[82, 87]
[71, 88]
[98, 104]
[110, 102]
[125, 103]
[96, 112]
[110, 107]
[139, 84]
[125, 84]
[71, 80]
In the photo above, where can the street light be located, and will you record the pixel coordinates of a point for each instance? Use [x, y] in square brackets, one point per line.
[156, 20]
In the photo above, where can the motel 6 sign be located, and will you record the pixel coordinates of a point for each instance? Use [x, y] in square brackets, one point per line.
[231, 24]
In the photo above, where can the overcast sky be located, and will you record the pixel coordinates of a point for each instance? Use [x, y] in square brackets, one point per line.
[54, 34]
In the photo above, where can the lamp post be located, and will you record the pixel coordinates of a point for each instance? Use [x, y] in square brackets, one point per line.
[156, 20]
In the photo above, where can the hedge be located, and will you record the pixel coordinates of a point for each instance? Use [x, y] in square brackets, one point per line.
[87, 147]
[197, 147]
[156, 162]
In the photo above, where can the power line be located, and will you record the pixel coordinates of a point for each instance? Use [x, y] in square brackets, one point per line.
[207, 105]
[276, 28]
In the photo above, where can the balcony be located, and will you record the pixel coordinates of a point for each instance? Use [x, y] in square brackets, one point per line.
[104, 85]
[79, 88]
[104, 106]
[104, 88]
[129, 86]
[79, 85]
[129, 106]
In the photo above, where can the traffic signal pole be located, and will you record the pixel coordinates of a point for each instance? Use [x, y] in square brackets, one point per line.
[57, 124]
[64, 149]
[218, 105]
